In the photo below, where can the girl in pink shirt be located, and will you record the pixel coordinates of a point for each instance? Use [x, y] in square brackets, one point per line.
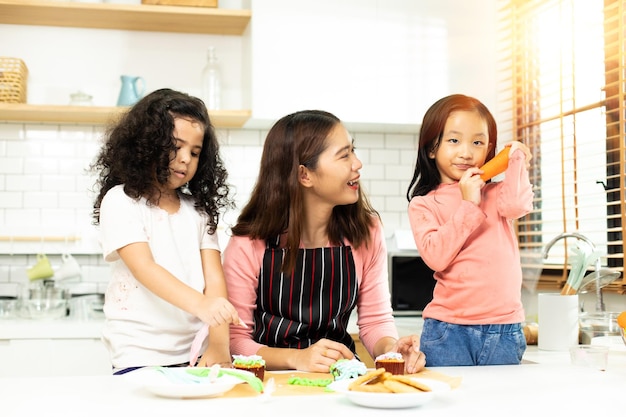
[463, 229]
[307, 250]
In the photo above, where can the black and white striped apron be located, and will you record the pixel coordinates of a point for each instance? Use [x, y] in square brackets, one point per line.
[314, 302]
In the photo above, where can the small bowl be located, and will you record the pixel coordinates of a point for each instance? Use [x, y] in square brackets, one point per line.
[598, 324]
[43, 308]
[590, 356]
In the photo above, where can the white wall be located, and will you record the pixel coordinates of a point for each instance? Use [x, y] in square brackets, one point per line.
[337, 55]
[381, 61]
[63, 60]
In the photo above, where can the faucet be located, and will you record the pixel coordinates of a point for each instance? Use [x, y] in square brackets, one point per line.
[566, 235]
[599, 299]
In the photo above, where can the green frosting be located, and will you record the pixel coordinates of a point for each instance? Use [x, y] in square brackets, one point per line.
[309, 382]
[254, 360]
[248, 377]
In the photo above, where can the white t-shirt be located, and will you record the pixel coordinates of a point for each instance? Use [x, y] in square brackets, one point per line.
[142, 329]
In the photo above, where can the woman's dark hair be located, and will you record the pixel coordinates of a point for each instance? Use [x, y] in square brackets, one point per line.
[276, 205]
[426, 176]
[138, 149]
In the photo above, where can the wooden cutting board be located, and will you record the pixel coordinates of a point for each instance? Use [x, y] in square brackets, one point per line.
[284, 388]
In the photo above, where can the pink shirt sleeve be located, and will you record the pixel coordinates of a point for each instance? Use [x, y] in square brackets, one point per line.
[242, 263]
[375, 319]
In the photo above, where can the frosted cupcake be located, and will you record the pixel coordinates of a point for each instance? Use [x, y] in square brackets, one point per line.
[254, 364]
[347, 368]
[392, 362]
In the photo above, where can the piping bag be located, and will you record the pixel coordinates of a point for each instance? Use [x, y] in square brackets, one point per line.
[196, 345]
[496, 165]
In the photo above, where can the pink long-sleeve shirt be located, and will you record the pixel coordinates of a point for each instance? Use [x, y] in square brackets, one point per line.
[242, 263]
[473, 249]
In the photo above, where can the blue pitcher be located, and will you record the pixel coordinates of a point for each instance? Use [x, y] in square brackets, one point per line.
[132, 90]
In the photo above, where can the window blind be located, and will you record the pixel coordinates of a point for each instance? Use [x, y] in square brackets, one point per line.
[561, 92]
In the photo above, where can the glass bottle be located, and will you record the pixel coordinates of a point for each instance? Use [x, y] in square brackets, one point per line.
[212, 81]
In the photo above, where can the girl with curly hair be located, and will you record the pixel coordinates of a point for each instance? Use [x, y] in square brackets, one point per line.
[162, 186]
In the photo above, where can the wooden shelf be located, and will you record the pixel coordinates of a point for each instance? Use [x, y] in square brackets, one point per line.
[28, 113]
[143, 17]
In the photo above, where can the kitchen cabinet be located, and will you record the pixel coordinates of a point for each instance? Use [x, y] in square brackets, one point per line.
[53, 357]
[61, 347]
[156, 18]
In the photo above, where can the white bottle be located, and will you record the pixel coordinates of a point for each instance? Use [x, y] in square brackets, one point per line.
[212, 82]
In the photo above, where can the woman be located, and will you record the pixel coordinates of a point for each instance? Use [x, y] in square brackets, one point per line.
[306, 250]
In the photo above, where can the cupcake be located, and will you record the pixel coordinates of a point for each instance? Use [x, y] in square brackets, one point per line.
[347, 368]
[254, 364]
[392, 362]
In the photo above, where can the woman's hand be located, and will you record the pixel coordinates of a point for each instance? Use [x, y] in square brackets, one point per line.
[321, 355]
[409, 347]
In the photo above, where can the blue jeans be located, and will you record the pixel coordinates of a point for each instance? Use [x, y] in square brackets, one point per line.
[448, 344]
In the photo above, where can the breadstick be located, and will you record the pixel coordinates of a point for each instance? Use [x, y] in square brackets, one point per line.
[399, 387]
[364, 379]
[410, 381]
[377, 387]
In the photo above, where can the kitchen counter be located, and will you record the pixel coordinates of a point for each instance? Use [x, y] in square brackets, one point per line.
[544, 383]
[523, 390]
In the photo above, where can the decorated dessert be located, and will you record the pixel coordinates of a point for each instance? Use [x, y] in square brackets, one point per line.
[347, 368]
[392, 362]
[254, 364]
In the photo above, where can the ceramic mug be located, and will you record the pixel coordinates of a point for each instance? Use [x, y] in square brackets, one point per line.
[68, 269]
[41, 270]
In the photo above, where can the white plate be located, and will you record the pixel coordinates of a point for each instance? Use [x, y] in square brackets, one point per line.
[389, 400]
[159, 384]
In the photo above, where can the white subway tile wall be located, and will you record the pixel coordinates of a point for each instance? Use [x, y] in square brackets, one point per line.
[46, 190]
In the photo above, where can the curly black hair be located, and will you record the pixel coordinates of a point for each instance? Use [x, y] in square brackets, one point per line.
[138, 148]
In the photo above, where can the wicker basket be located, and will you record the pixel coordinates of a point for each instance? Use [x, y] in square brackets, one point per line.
[13, 77]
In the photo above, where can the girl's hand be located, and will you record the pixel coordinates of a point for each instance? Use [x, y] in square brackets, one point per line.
[208, 360]
[216, 311]
[409, 347]
[319, 356]
[519, 145]
[471, 184]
